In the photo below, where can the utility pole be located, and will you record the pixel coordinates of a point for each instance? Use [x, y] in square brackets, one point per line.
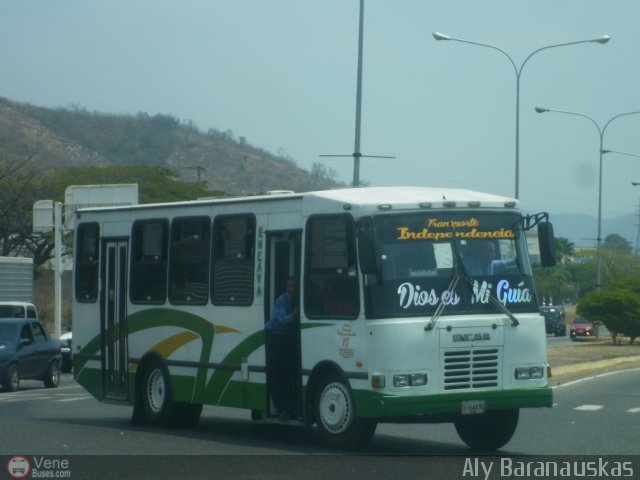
[357, 155]
[199, 170]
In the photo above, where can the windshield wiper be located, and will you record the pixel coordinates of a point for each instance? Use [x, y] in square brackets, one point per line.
[442, 305]
[459, 272]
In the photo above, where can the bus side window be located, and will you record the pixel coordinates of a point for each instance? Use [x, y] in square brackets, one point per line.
[331, 283]
[149, 239]
[234, 241]
[189, 260]
[86, 282]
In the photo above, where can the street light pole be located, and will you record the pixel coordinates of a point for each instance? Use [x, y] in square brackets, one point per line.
[357, 154]
[601, 132]
[518, 71]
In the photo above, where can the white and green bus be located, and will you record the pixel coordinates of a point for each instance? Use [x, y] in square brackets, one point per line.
[171, 300]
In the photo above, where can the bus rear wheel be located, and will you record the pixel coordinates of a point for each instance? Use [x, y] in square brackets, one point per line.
[489, 431]
[157, 397]
[336, 418]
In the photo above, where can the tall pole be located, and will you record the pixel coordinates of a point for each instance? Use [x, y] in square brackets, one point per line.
[356, 148]
[357, 154]
[518, 71]
[601, 132]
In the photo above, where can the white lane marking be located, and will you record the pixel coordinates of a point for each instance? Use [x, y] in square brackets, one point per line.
[606, 374]
[589, 408]
[86, 397]
[634, 410]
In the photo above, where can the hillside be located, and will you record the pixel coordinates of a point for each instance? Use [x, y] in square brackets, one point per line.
[76, 137]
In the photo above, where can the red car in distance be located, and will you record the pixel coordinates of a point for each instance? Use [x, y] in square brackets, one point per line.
[583, 328]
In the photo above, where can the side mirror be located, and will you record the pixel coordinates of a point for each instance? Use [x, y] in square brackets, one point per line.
[547, 244]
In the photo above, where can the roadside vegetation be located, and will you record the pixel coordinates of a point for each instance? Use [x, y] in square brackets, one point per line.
[616, 305]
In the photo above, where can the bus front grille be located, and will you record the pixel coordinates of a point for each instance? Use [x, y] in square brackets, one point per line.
[471, 368]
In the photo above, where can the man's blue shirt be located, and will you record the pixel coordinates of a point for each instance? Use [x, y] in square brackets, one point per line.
[282, 316]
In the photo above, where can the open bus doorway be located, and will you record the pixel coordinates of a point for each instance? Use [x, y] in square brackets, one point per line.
[282, 356]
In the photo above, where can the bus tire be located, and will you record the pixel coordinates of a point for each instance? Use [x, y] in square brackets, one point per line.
[51, 378]
[489, 431]
[336, 418]
[157, 397]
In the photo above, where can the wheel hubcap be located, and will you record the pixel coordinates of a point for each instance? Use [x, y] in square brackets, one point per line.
[336, 411]
[156, 390]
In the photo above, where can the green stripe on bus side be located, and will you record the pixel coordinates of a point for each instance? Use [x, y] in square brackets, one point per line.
[210, 392]
[220, 379]
[161, 317]
[373, 404]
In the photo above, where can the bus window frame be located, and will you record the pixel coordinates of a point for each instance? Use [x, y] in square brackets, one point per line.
[348, 272]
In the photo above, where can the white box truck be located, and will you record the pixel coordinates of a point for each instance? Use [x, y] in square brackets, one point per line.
[16, 279]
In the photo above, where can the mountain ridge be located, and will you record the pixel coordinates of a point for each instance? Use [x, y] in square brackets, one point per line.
[76, 137]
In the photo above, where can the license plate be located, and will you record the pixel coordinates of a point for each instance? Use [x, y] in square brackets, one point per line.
[473, 407]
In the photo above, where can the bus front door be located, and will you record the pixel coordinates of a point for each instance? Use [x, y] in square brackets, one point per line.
[114, 327]
[283, 262]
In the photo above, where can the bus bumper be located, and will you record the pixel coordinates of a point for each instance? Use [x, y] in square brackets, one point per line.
[377, 405]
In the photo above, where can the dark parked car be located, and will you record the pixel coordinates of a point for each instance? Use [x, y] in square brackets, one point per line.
[583, 328]
[554, 320]
[27, 351]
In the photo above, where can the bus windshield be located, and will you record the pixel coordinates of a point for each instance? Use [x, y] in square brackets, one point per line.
[419, 256]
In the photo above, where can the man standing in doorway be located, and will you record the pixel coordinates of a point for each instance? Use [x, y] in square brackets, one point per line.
[281, 334]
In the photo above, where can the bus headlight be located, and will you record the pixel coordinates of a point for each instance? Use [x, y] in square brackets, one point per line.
[409, 380]
[529, 373]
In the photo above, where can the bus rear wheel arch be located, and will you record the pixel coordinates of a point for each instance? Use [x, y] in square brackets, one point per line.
[488, 431]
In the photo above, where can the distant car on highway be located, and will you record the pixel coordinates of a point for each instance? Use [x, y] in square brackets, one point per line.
[27, 351]
[583, 328]
[554, 320]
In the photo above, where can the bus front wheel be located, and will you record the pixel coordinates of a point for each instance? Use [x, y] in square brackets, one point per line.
[157, 398]
[488, 431]
[336, 418]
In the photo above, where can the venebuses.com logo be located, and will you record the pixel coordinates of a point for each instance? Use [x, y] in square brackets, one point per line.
[18, 467]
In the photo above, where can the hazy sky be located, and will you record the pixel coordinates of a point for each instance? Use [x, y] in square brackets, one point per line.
[282, 73]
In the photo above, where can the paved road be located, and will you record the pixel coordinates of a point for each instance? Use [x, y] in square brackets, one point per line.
[598, 416]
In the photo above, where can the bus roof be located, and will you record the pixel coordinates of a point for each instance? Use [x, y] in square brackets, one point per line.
[412, 197]
[376, 197]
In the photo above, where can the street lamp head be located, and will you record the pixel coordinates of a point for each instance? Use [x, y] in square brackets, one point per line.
[440, 36]
[541, 110]
[635, 184]
[602, 40]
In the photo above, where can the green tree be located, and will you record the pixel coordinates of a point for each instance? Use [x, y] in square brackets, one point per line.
[554, 284]
[618, 243]
[617, 308]
[565, 250]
